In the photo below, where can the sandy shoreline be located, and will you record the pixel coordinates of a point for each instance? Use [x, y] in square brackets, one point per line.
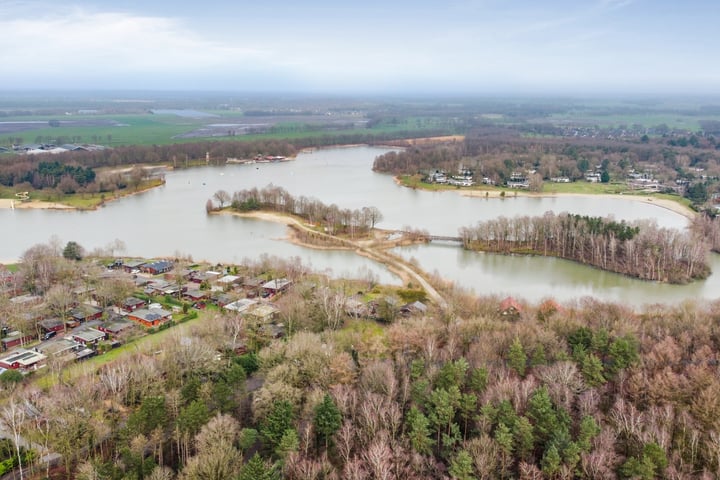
[33, 204]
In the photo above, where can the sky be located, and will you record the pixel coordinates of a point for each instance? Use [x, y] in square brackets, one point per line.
[372, 46]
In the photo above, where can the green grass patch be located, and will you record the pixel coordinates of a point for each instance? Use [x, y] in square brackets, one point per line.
[585, 188]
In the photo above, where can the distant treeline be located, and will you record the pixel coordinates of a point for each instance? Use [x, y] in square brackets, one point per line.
[496, 153]
[48, 175]
[334, 219]
[641, 250]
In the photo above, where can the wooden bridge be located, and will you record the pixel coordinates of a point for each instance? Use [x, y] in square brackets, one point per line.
[431, 238]
[441, 238]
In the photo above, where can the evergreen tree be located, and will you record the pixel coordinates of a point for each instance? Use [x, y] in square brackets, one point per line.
[328, 419]
[551, 461]
[517, 360]
[461, 467]
[592, 370]
[419, 431]
[523, 438]
[257, 469]
[279, 419]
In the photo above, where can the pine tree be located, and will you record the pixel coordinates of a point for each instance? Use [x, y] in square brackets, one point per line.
[328, 419]
[517, 360]
[257, 469]
[461, 467]
[279, 419]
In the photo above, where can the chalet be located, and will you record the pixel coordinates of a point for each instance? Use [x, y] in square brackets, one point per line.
[276, 286]
[51, 325]
[150, 318]
[115, 326]
[414, 308]
[21, 359]
[89, 336]
[241, 305]
[13, 339]
[229, 281]
[155, 268]
[196, 295]
[160, 287]
[208, 276]
[84, 354]
[133, 266]
[510, 307]
[86, 313]
[26, 300]
[253, 285]
[222, 299]
[264, 313]
[59, 347]
[132, 303]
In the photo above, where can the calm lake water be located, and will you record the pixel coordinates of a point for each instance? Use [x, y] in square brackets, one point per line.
[171, 220]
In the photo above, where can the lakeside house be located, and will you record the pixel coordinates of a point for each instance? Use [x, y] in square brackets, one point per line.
[510, 307]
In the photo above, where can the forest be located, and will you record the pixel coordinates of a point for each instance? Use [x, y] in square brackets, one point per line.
[335, 220]
[641, 249]
[583, 390]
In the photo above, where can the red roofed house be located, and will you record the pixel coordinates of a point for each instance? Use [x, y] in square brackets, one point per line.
[510, 307]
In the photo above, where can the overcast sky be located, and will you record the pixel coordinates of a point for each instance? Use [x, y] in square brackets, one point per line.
[369, 46]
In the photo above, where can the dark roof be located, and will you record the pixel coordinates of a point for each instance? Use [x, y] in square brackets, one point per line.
[159, 265]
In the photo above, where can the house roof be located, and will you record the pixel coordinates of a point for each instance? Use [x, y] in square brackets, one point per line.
[277, 284]
[89, 335]
[84, 311]
[263, 311]
[509, 303]
[23, 357]
[151, 315]
[58, 347]
[134, 263]
[117, 325]
[241, 305]
[228, 279]
[159, 265]
[133, 301]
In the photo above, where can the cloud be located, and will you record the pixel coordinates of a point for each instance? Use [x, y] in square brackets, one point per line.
[79, 40]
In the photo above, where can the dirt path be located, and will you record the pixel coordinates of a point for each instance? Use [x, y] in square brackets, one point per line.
[373, 248]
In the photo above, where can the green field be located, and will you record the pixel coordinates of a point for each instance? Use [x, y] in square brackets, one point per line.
[150, 129]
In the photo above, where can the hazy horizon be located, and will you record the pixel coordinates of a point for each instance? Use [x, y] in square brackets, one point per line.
[462, 48]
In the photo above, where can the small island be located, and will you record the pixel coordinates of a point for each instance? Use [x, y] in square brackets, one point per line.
[639, 249]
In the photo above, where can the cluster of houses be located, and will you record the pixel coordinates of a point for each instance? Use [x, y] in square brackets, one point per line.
[464, 178]
[86, 327]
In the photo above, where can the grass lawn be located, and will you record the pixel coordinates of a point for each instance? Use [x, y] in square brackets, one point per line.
[82, 201]
[147, 344]
[586, 188]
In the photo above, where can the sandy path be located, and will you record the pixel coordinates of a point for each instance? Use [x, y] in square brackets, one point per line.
[364, 248]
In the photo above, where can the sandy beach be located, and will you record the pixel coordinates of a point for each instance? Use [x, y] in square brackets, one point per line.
[10, 203]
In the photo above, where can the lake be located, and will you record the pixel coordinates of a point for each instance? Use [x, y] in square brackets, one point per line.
[171, 220]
